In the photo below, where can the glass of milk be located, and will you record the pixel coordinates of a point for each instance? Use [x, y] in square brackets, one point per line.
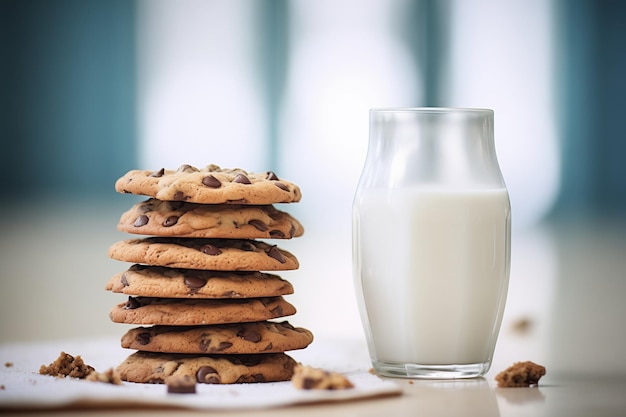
[431, 242]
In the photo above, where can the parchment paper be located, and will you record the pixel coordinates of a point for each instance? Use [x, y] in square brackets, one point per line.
[22, 387]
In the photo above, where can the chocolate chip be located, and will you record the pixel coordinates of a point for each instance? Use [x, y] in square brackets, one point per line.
[158, 173]
[277, 234]
[258, 378]
[141, 221]
[268, 347]
[223, 345]
[242, 179]
[277, 311]
[273, 252]
[176, 205]
[271, 176]
[195, 282]
[282, 186]
[286, 325]
[249, 335]
[124, 280]
[207, 375]
[308, 383]
[245, 360]
[210, 250]
[132, 304]
[258, 224]
[248, 246]
[211, 181]
[179, 196]
[204, 345]
[170, 221]
[181, 384]
[143, 338]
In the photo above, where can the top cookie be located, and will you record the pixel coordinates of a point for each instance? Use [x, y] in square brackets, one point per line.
[209, 185]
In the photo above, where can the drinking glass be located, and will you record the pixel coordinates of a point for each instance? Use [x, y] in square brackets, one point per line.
[431, 242]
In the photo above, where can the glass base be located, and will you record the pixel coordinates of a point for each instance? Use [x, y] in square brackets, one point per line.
[412, 370]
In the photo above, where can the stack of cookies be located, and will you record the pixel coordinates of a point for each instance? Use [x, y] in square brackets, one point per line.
[203, 287]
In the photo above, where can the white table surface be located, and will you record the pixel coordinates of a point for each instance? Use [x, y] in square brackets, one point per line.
[556, 395]
[568, 281]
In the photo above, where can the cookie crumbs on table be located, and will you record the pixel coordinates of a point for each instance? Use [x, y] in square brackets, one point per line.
[109, 377]
[67, 365]
[521, 374]
[308, 378]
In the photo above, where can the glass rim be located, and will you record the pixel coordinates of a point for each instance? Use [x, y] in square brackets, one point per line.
[431, 110]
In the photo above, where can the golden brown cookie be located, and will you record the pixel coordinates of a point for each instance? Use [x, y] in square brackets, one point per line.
[191, 312]
[160, 281]
[211, 254]
[156, 368]
[231, 221]
[209, 185]
[237, 338]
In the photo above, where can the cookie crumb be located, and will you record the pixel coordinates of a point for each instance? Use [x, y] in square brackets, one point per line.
[521, 374]
[8, 364]
[109, 377]
[67, 365]
[307, 378]
[522, 325]
[183, 384]
[2, 387]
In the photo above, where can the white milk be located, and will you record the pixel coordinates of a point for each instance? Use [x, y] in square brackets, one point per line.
[434, 272]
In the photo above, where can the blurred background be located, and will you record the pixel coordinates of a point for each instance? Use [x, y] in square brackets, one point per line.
[91, 89]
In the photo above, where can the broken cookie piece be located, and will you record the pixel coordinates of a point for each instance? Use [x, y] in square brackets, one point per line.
[307, 377]
[109, 377]
[521, 374]
[181, 384]
[67, 365]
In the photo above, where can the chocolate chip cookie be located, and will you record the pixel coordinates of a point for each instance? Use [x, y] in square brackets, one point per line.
[232, 221]
[159, 281]
[209, 185]
[191, 312]
[238, 338]
[155, 368]
[211, 254]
